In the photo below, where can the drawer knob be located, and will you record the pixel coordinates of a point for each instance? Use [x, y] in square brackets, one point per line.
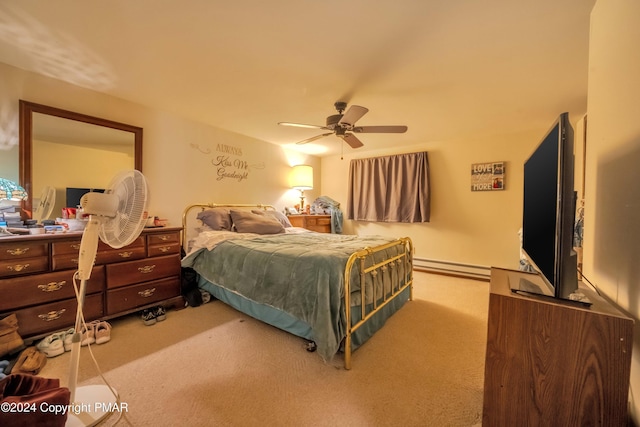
[52, 286]
[146, 269]
[52, 315]
[75, 246]
[164, 248]
[18, 267]
[125, 254]
[163, 238]
[147, 292]
[17, 251]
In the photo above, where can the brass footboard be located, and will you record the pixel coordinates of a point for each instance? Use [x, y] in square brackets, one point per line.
[368, 266]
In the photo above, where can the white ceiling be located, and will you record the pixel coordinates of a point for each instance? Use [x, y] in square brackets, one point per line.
[449, 69]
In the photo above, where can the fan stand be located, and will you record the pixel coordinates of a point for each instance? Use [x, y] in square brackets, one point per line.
[90, 404]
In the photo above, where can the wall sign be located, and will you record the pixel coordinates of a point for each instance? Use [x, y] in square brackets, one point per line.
[487, 176]
[228, 163]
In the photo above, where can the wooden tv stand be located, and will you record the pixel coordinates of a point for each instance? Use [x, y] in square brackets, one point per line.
[550, 362]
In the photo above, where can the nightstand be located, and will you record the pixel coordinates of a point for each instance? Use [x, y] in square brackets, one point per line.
[319, 223]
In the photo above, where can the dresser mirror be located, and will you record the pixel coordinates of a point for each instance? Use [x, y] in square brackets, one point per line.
[65, 149]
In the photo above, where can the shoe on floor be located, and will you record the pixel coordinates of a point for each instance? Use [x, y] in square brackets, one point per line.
[103, 332]
[4, 371]
[67, 337]
[30, 361]
[88, 332]
[148, 317]
[51, 345]
[160, 313]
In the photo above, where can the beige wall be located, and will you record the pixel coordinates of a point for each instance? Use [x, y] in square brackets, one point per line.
[477, 228]
[612, 194]
[178, 154]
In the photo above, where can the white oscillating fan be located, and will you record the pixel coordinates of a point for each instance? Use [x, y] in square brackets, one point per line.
[45, 205]
[116, 217]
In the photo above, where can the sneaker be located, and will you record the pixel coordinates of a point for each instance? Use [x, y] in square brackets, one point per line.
[103, 332]
[206, 296]
[160, 313]
[88, 334]
[148, 317]
[51, 346]
[67, 338]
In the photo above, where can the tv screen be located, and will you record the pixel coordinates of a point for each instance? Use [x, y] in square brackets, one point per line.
[549, 210]
[75, 194]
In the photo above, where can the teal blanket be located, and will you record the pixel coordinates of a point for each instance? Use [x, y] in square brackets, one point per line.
[300, 274]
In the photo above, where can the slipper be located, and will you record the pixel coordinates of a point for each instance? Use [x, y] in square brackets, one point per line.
[88, 333]
[30, 361]
[103, 332]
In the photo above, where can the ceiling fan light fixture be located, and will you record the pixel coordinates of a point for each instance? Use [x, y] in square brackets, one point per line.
[339, 124]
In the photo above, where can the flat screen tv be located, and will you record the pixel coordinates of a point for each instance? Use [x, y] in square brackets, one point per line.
[75, 194]
[549, 214]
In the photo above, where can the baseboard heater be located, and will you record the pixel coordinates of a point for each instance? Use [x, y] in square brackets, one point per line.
[451, 268]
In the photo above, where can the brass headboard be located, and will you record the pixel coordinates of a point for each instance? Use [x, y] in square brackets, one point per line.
[203, 206]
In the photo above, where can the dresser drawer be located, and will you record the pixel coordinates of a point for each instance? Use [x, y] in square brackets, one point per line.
[57, 316]
[319, 220]
[164, 249]
[131, 297]
[144, 270]
[43, 288]
[24, 266]
[22, 250]
[65, 254]
[65, 247]
[163, 238]
[127, 253]
[73, 246]
[137, 243]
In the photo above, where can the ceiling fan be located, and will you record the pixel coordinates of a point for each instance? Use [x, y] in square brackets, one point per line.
[343, 125]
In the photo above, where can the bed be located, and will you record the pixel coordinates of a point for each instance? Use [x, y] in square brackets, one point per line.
[303, 282]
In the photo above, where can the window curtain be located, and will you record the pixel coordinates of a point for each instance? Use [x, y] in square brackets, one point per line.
[389, 188]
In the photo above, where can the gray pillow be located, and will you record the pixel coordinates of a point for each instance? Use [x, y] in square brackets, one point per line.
[277, 215]
[248, 222]
[216, 218]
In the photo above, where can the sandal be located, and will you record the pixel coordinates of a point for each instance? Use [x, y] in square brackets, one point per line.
[30, 361]
[103, 332]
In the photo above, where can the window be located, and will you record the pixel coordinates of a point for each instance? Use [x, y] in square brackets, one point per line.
[389, 188]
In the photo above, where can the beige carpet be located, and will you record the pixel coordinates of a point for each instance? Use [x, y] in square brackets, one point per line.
[213, 366]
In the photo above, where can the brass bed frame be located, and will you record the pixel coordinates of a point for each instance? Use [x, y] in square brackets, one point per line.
[359, 258]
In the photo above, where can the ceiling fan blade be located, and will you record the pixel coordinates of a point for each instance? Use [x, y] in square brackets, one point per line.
[380, 129]
[351, 139]
[301, 125]
[353, 114]
[313, 138]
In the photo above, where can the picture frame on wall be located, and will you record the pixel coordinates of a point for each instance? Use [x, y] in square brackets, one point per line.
[488, 176]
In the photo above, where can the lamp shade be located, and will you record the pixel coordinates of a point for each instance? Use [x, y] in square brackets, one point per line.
[301, 177]
[9, 190]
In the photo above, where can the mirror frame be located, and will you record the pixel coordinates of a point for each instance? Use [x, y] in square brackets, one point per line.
[26, 144]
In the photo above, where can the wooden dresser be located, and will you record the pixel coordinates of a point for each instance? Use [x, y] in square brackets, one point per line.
[36, 278]
[319, 223]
